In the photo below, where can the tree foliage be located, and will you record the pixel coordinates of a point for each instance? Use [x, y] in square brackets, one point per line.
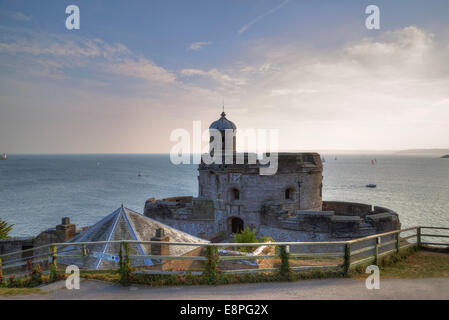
[5, 229]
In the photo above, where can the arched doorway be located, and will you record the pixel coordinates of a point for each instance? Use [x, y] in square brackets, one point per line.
[236, 225]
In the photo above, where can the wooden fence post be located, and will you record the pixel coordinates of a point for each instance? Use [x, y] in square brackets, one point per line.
[85, 250]
[1, 271]
[347, 261]
[397, 242]
[376, 249]
[418, 237]
[284, 268]
[54, 253]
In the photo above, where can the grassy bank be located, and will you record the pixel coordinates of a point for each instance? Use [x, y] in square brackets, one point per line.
[419, 264]
[18, 291]
[221, 279]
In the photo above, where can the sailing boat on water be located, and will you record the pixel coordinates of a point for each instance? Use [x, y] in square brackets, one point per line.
[3, 157]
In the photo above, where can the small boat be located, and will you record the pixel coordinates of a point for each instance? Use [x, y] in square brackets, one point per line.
[139, 175]
[3, 157]
[371, 185]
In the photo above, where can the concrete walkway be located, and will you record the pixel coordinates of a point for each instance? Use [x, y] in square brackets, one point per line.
[426, 288]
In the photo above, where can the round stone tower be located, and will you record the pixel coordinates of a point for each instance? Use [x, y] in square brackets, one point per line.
[243, 197]
[223, 128]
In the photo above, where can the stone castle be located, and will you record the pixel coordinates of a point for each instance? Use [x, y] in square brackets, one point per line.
[286, 206]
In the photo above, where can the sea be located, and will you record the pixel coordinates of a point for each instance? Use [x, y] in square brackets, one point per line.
[36, 191]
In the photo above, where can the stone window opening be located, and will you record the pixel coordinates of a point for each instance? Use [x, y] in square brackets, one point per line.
[289, 194]
[235, 194]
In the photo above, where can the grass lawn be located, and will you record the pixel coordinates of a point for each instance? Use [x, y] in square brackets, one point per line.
[21, 291]
[421, 264]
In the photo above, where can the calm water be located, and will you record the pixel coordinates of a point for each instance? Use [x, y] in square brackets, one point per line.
[36, 191]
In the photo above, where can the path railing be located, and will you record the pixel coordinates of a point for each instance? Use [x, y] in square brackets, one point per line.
[333, 255]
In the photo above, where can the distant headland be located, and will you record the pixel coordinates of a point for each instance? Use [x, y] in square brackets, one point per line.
[438, 152]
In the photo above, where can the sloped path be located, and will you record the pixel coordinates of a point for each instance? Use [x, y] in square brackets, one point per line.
[424, 288]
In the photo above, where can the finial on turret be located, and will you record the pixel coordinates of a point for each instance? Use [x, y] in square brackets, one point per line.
[223, 113]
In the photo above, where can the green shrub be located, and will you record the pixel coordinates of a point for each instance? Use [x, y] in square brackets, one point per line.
[53, 273]
[36, 276]
[246, 236]
[264, 239]
[11, 281]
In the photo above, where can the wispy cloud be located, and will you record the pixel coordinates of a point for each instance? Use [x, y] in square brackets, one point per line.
[215, 74]
[198, 45]
[20, 16]
[53, 55]
[271, 11]
[143, 69]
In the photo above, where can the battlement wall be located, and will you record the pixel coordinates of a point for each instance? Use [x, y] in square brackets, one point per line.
[338, 219]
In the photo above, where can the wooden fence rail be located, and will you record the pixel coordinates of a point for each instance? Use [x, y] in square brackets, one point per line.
[370, 249]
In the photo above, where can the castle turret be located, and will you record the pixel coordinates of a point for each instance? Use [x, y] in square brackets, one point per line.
[224, 127]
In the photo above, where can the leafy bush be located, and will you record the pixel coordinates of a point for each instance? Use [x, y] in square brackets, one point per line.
[246, 236]
[53, 273]
[264, 239]
[5, 229]
[11, 281]
[36, 276]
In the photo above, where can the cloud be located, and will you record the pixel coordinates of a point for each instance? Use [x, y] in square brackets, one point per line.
[58, 47]
[215, 74]
[282, 92]
[271, 11]
[142, 68]
[52, 55]
[19, 16]
[195, 46]
[389, 91]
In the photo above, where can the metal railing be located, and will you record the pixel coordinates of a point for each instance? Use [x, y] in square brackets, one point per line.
[302, 255]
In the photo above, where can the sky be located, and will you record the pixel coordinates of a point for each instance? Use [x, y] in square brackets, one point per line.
[137, 70]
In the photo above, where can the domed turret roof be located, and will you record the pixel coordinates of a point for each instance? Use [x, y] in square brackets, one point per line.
[223, 123]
